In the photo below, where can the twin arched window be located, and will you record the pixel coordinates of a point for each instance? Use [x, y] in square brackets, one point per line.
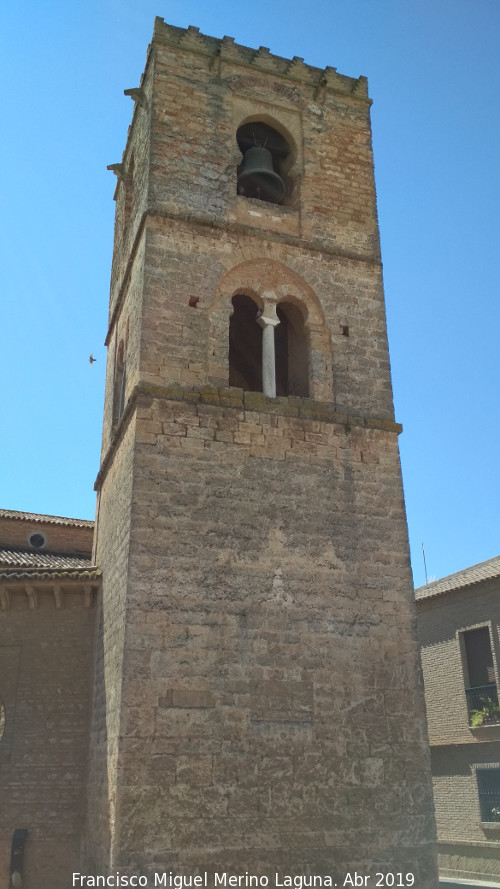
[268, 349]
[264, 349]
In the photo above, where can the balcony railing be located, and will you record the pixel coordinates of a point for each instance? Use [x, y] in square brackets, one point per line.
[482, 703]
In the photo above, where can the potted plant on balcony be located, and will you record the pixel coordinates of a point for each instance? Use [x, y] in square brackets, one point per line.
[489, 714]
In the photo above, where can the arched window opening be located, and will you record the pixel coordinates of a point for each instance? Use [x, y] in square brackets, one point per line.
[292, 353]
[263, 172]
[245, 345]
[119, 383]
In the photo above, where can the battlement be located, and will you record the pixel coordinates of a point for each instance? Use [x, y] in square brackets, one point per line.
[226, 50]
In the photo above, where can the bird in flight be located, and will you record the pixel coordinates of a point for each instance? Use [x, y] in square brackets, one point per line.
[92, 359]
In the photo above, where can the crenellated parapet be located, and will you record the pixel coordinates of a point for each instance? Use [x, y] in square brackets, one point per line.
[262, 60]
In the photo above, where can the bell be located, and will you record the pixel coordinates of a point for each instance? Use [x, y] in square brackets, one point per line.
[257, 178]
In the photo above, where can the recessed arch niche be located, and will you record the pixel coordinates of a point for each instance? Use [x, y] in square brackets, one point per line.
[268, 159]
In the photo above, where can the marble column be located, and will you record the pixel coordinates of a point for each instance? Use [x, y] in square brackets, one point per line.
[268, 322]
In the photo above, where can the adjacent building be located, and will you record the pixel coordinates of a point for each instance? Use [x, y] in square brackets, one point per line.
[48, 589]
[458, 626]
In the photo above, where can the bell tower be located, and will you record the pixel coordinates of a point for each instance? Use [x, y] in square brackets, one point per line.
[258, 707]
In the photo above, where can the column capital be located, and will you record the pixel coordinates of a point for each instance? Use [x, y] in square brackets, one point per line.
[268, 317]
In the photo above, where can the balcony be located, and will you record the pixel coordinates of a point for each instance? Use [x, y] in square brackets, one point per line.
[482, 704]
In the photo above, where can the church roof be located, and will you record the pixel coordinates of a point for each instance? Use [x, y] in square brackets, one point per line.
[50, 519]
[467, 577]
[63, 551]
[35, 565]
[35, 559]
[92, 573]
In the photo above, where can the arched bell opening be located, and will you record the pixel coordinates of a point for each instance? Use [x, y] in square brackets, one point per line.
[292, 352]
[267, 156]
[245, 345]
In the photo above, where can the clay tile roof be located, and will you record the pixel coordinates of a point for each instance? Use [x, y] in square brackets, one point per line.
[52, 574]
[469, 576]
[12, 558]
[48, 519]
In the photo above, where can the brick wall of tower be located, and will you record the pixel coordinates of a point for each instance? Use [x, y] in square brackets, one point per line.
[132, 187]
[184, 261]
[112, 553]
[269, 675]
[193, 163]
[126, 329]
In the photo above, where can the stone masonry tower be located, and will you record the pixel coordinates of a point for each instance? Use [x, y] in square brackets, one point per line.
[258, 705]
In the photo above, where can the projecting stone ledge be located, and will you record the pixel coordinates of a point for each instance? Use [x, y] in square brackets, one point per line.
[290, 405]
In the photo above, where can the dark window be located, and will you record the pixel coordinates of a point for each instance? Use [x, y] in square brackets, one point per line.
[481, 689]
[479, 657]
[488, 786]
[37, 541]
[292, 358]
[245, 345]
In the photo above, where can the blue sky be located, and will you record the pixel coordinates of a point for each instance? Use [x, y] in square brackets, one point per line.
[433, 73]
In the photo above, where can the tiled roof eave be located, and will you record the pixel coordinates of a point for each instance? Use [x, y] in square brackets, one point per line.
[424, 593]
[46, 519]
[476, 574]
[40, 559]
[9, 575]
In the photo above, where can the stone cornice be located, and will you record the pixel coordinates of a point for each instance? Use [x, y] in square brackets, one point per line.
[256, 402]
[32, 590]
